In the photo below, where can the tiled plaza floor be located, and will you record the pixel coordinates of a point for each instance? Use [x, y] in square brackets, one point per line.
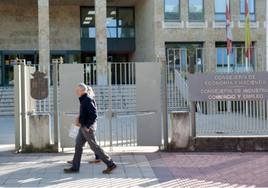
[137, 169]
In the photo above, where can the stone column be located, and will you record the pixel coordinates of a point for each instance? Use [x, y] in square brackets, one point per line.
[44, 39]
[101, 42]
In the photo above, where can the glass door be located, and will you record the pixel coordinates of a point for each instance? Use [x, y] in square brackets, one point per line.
[1, 75]
[29, 58]
[90, 68]
[9, 62]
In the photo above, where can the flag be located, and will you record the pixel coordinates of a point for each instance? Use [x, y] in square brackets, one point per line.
[248, 42]
[228, 31]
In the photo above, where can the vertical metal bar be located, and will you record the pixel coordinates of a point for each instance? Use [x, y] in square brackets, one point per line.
[55, 102]
[235, 60]
[244, 115]
[18, 100]
[99, 128]
[125, 85]
[224, 116]
[116, 100]
[93, 74]
[220, 124]
[241, 113]
[263, 115]
[122, 136]
[164, 100]
[237, 117]
[257, 116]
[167, 73]
[133, 87]
[121, 86]
[129, 88]
[201, 116]
[193, 126]
[233, 116]
[181, 83]
[215, 116]
[130, 126]
[222, 60]
[24, 101]
[205, 115]
[110, 103]
[126, 131]
[247, 115]
[44, 101]
[253, 116]
[135, 129]
[172, 79]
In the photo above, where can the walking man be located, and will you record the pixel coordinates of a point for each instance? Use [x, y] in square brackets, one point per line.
[88, 119]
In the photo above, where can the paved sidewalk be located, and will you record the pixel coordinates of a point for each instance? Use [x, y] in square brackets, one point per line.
[136, 169]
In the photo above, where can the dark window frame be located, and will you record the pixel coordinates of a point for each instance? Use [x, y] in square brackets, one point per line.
[107, 27]
[241, 46]
[221, 13]
[172, 13]
[83, 25]
[203, 13]
[125, 26]
[242, 12]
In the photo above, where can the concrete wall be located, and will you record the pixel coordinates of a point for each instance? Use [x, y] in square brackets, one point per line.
[19, 27]
[145, 32]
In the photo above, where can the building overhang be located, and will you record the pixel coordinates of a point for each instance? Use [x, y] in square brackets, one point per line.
[75, 2]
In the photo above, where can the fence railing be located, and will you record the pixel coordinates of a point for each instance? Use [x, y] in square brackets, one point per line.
[221, 117]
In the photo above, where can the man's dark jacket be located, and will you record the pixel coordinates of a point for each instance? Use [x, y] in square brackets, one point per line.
[88, 110]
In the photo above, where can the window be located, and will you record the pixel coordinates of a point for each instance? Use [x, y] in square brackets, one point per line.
[111, 22]
[126, 23]
[9, 62]
[251, 9]
[220, 10]
[237, 58]
[74, 58]
[119, 22]
[196, 11]
[88, 22]
[172, 10]
[177, 54]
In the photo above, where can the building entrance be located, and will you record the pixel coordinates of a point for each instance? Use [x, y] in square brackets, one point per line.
[120, 70]
[9, 59]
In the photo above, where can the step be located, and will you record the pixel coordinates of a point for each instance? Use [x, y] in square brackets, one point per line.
[6, 109]
[8, 114]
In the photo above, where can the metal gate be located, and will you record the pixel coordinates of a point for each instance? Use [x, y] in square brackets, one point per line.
[128, 100]
[221, 118]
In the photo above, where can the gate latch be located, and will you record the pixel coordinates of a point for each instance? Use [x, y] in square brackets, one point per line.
[110, 114]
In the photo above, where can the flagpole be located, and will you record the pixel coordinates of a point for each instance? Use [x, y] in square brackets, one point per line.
[229, 103]
[246, 101]
[248, 42]
[228, 56]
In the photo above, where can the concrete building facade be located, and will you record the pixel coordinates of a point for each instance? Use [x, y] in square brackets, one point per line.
[88, 31]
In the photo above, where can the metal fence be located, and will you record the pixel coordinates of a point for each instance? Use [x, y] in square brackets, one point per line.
[115, 94]
[221, 117]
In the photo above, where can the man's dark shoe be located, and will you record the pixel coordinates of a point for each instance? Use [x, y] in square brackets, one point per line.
[95, 161]
[110, 169]
[70, 170]
[70, 162]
